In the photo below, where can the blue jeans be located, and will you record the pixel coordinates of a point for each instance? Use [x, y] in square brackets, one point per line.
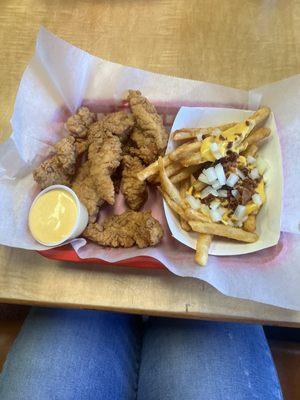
[80, 355]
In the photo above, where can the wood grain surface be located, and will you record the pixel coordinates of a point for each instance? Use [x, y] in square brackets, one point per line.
[237, 43]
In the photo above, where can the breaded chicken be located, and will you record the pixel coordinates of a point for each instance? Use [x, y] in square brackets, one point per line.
[58, 169]
[83, 186]
[78, 123]
[126, 230]
[104, 156]
[150, 137]
[118, 123]
[134, 191]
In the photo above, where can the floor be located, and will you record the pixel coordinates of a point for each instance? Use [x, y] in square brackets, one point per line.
[284, 344]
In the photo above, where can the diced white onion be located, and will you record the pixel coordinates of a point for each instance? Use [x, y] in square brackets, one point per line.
[257, 199]
[203, 178]
[194, 203]
[232, 179]
[214, 192]
[220, 174]
[239, 212]
[199, 136]
[205, 192]
[222, 193]
[234, 193]
[216, 185]
[240, 174]
[251, 160]
[261, 165]
[214, 147]
[215, 215]
[210, 174]
[254, 174]
[217, 155]
[215, 204]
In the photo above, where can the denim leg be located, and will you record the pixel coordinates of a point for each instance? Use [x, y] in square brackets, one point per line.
[73, 355]
[199, 360]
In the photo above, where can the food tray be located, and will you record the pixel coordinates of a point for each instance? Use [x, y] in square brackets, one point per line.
[67, 253]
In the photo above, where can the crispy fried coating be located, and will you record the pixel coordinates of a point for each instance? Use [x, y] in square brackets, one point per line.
[78, 123]
[149, 136]
[105, 156]
[83, 186]
[58, 169]
[126, 230]
[118, 123]
[134, 191]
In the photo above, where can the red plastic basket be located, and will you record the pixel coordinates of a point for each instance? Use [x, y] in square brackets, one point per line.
[67, 253]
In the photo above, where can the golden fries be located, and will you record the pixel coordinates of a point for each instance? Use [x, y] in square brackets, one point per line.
[152, 169]
[251, 150]
[257, 136]
[227, 231]
[184, 134]
[202, 247]
[185, 150]
[183, 174]
[173, 205]
[194, 159]
[250, 224]
[166, 184]
[212, 208]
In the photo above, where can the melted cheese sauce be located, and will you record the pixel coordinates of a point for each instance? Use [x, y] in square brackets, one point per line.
[53, 216]
[235, 135]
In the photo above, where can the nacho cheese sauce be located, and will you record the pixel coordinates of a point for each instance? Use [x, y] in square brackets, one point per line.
[53, 216]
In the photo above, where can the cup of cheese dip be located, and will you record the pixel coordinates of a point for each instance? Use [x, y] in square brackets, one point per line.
[57, 215]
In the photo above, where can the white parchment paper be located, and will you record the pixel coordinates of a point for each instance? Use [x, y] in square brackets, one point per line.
[61, 77]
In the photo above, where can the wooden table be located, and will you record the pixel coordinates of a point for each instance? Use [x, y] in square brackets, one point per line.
[240, 44]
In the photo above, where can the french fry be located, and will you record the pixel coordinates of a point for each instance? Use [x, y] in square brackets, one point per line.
[173, 205]
[185, 225]
[250, 224]
[227, 231]
[194, 159]
[152, 169]
[166, 184]
[198, 185]
[193, 215]
[185, 150]
[183, 134]
[172, 169]
[185, 173]
[257, 135]
[250, 151]
[260, 116]
[202, 247]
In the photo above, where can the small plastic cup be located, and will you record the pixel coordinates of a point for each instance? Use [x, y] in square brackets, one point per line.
[82, 215]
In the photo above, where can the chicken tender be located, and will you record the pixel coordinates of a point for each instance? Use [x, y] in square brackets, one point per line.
[118, 123]
[126, 230]
[105, 157]
[150, 137]
[83, 185]
[134, 191]
[78, 123]
[58, 169]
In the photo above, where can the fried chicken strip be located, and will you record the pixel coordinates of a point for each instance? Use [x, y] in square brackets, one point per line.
[78, 125]
[83, 186]
[104, 156]
[134, 191]
[150, 137]
[126, 230]
[118, 123]
[58, 169]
